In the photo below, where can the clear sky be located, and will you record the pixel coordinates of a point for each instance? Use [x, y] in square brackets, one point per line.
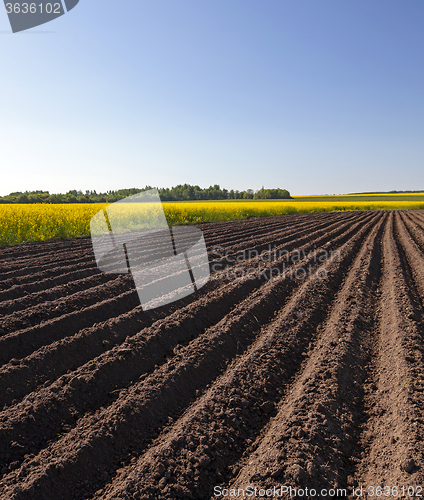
[314, 96]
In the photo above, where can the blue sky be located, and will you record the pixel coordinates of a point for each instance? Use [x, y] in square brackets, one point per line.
[314, 96]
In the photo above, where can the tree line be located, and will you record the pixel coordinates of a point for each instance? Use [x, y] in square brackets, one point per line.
[182, 192]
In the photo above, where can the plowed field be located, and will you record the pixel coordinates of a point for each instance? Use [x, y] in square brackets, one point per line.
[312, 379]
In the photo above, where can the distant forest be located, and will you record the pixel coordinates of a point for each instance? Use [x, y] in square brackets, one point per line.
[182, 192]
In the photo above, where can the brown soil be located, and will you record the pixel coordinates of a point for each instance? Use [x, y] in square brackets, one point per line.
[304, 380]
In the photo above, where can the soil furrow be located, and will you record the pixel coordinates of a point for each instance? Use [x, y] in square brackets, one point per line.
[17, 345]
[67, 304]
[395, 400]
[168, 389]
[418, 216]
[415, 230]
[51, 289]
[294, 380]
[23, 274]
[28, 291]
[229, 254]
[226, 232]
[80, 346]
[310, 441]
[248, 237]
[69, 352]
[413, 252]
[14, 378]
[37, 282]
[15, 291]
[16, 257]
[204, 446]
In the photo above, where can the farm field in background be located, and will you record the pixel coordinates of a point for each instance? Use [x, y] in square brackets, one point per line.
[24, 223]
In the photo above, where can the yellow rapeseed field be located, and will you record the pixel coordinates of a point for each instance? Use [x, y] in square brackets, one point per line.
[42, 222]
[198, 212]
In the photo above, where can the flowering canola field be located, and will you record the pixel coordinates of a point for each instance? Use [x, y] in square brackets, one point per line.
[198, 212]
[41, 222]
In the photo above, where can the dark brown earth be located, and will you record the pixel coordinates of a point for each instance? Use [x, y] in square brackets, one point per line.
[312, 379]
